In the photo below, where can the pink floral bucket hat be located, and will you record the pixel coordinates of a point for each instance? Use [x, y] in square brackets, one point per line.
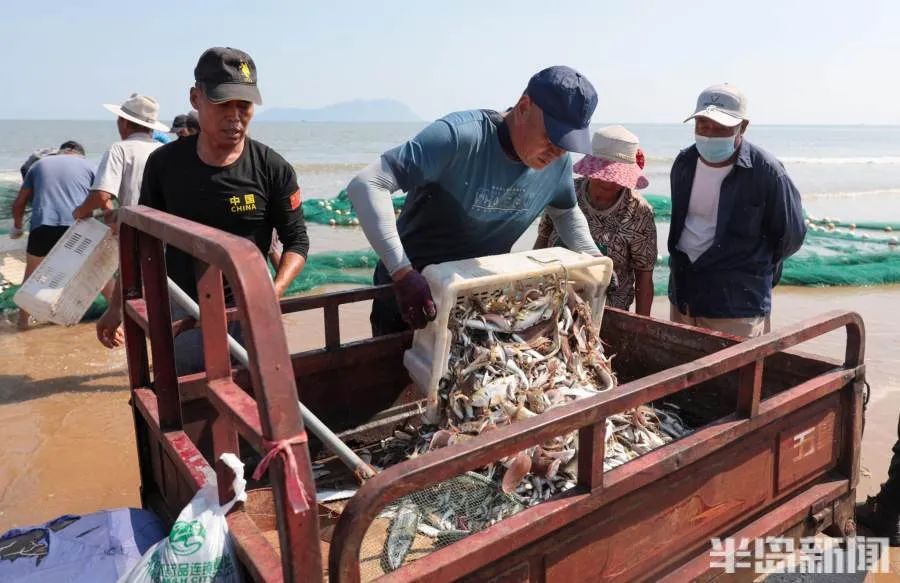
[615, 158]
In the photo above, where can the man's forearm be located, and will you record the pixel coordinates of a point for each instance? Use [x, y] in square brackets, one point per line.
[19, 205]
[115, 300]
[97, 199]
[18, 213]
[290, 267]
[370, 193]
[545, 228]
[573, 229]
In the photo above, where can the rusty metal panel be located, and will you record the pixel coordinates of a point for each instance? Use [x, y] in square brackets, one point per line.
[808, 447]
[257, 555]
[518, 574]
[576, 511]
[639, 532]
[170, 484]
[156, 460]
[788, 515]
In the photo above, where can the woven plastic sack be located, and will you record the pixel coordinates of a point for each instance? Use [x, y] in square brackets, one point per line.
[199, 548]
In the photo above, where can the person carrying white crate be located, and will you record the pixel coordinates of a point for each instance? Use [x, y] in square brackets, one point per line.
[54, 185]
[476, 180]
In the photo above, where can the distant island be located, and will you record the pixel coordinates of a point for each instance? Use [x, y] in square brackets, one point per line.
[360, 110]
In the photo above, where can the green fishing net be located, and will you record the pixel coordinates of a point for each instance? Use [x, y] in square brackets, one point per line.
[337, 211]
[662, 206]
[335, 267]
[835, 253]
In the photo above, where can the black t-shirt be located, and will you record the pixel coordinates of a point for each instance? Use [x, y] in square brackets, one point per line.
[248, 198]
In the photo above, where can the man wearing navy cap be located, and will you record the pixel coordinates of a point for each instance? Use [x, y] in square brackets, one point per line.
[476, 180]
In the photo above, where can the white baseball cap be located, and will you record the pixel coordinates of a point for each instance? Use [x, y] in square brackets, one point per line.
[723, 104]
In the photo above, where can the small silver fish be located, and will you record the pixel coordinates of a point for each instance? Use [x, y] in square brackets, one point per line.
[446, 537]
[401, 534]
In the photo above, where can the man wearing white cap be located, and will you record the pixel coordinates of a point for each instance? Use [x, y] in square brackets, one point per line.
[122, 166]
[736, 216]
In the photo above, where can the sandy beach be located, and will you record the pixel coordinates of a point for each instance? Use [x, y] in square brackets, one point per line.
[69, 445]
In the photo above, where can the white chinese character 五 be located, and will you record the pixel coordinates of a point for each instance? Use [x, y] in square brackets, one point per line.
[776, 554]
[730, 551]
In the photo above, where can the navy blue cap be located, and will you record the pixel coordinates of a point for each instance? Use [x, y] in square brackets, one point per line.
[568, 101]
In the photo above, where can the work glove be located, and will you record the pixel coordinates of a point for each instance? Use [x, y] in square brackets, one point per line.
[414, 300]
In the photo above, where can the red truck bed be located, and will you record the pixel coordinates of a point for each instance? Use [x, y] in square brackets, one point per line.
[777, 451]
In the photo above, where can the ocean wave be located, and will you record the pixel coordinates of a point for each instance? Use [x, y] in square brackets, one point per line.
[852, 193]
[14, 177]
[329, 168]
[820, 160]
[7, 176]
[841, 160]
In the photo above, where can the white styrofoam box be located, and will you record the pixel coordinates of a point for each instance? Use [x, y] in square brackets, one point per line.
[428, 357]
[66, 282]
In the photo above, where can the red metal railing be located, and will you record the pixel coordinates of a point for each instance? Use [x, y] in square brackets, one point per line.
[271, 416]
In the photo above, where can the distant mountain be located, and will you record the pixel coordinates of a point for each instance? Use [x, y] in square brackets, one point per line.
[360, 110]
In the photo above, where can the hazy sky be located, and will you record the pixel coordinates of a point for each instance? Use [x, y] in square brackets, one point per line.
[798, 61]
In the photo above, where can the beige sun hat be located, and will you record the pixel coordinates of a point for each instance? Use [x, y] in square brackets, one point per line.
[616, 144]
[140, 109]
[616, 157]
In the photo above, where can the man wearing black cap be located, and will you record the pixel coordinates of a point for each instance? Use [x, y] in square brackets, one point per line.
[475, 181]
[223, 179]
[185, 125]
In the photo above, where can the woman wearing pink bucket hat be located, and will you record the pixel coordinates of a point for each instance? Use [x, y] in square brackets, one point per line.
[620, 220]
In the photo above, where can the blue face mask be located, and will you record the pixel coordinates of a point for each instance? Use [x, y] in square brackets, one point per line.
[715, 150]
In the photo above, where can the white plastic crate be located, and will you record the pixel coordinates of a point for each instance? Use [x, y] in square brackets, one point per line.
[66, 282]
[428, 357]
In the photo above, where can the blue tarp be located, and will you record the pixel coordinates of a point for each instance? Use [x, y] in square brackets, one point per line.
[94, 548]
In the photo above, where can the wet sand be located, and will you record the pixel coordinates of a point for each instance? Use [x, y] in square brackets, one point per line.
[67, 435]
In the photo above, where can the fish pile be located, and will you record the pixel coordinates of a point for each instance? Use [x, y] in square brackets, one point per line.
[514, 354]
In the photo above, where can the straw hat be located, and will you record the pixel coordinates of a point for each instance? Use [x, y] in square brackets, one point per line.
[141, 110]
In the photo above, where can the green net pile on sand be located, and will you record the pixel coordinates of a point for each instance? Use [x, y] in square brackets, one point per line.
[835, 253]
[338, 211]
